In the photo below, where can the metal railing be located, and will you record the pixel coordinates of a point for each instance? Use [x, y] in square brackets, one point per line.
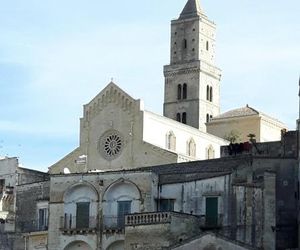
[69, 222]
[148, 218]
[32, 226]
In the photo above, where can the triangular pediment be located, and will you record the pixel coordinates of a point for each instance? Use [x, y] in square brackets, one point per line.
[112, 93]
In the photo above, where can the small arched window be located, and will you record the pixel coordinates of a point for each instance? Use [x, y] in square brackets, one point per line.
[179, 91]
[191, 148]
[210, 153]
[211, 94]
[207, 45]
[184, 94]
[207, 118]
[178, 117]
[207, 93]
[184, 118]
[171, 141]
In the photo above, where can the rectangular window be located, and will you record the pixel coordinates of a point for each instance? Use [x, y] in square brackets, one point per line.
[82, 214]
[124, 207]
[166, 205]
[43, 219]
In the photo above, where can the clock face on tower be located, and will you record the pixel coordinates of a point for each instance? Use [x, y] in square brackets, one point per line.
[110, 144]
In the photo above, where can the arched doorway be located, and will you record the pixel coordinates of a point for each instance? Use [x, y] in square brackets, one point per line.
[78, 245]
[118, 245]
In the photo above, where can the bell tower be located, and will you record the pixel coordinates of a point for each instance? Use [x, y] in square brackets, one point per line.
[192, 80]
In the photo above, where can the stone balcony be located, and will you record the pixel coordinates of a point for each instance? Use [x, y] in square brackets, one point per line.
[148, 218]
[163, 227]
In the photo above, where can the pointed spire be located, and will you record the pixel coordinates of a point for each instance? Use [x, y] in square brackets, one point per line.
[191, 9]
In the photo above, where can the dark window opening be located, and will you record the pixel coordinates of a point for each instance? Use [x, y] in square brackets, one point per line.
[207, 93]
[179, 90]
[207, 45]
[178, 117]
[43, 219]
[184, 94]
[124, 208]
[184, 118]
[211, 94]
[184, 43]
[82, 214]
[207, 118]
[166, 205]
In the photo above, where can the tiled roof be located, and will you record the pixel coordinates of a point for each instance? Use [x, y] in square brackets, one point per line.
[244, 111]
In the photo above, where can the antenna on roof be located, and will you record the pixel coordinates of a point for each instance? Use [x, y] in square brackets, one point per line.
[298, 121]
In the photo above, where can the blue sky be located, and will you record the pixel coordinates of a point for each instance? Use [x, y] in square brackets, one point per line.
[55, 56]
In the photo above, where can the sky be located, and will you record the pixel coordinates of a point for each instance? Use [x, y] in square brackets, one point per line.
[57, 55]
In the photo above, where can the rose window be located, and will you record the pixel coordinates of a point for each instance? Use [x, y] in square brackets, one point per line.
[111, 144]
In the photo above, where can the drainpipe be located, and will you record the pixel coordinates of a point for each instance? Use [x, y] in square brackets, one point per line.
[25, 243]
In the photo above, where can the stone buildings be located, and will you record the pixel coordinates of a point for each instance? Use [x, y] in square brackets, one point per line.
[20, 209]
[136, 182]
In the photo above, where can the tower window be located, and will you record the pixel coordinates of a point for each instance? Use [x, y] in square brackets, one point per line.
[181, 117]
[184, 43]
[184, 118]
[207, 93]
[184, 94]
[207, 118]
[207, 45]
[211, 94]
[179, 90]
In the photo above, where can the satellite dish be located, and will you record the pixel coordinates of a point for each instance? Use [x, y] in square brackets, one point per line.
[67, 171]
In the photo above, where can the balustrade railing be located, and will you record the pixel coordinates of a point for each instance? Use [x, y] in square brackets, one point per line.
[147, 218]
[32, 226]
